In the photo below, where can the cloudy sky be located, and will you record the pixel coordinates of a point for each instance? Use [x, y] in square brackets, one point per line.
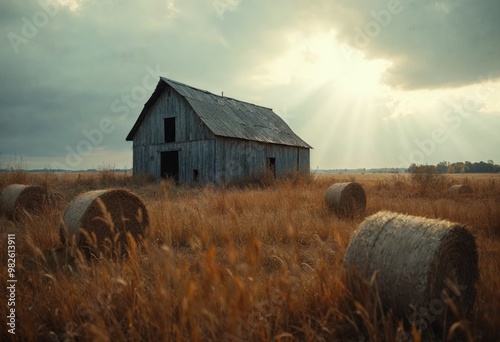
[367, 83]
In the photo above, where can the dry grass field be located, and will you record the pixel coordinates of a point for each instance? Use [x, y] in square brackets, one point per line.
[234, 264]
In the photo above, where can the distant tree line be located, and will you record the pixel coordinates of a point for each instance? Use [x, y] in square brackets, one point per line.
[467, 167]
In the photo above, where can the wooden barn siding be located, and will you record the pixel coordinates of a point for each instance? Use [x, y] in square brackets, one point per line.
[236, 158]
[149, 138]
[141, 161]
[193, 155]
[304, 160]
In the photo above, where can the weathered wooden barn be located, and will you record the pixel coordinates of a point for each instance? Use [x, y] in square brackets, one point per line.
[199, 137]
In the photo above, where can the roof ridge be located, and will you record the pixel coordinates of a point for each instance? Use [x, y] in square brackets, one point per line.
[208, 92]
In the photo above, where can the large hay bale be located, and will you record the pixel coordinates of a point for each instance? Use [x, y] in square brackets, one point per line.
[460, 189]
[18, 199]
[417, 263]
[96, 218]
[346, 200]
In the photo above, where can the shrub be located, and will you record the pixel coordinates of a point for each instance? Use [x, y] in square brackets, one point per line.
[425, 177]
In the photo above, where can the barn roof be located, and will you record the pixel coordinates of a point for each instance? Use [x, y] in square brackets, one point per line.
[228, 117]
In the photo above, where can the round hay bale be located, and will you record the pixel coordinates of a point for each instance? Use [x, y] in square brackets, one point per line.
[418, 263]
[98, 219]
[18, 199]
[460, 189]
[346, 200]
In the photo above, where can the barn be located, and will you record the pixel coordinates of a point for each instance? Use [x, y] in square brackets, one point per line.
[195, 136]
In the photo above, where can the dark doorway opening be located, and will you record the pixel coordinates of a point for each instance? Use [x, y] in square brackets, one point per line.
[170, 165]
[271, 166]
[169, 129]
[196, 176]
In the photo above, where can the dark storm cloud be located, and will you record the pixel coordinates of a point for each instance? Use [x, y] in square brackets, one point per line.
[62, 76]
[431, 44]
[63, 71]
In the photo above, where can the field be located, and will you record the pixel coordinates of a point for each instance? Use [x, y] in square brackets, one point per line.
[256, 263]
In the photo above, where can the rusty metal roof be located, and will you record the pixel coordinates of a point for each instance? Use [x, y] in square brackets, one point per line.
[228, 117]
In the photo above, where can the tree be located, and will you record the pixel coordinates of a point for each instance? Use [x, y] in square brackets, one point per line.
[482, 167]
[468, 167]
[443, 166]
[459, 167]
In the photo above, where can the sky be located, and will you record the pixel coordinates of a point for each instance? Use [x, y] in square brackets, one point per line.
[367, 83]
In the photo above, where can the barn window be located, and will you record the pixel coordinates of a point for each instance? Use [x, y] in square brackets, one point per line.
[169, 127]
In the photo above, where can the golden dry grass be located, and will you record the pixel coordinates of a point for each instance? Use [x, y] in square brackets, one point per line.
[233, 264]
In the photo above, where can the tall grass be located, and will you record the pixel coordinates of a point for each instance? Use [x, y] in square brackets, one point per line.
[242, 263]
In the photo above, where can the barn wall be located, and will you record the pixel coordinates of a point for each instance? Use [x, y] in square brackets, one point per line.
[304, 160]
[140, 159]
[236, 158]
[193, 155]
[191, 132]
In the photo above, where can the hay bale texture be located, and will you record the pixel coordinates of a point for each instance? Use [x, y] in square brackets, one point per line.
[346, 200]
[414, 260]
[460, 189]
[104, 215]
[18, 199]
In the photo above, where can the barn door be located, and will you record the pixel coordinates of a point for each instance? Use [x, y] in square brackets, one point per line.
[170, 165]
